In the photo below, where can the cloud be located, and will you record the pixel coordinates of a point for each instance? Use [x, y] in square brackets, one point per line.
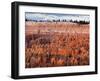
[48, 16]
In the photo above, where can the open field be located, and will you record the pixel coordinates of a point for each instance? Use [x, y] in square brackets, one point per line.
[51, 44]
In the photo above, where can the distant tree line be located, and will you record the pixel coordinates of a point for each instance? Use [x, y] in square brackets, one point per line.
[64, 20]
[80, 22]
[47, 20]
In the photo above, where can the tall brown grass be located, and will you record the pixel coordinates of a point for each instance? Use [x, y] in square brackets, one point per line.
[53, 44]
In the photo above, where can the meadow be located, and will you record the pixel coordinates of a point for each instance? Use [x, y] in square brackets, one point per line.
[55, 44]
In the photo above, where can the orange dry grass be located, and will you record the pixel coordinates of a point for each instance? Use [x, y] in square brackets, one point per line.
[50, 44]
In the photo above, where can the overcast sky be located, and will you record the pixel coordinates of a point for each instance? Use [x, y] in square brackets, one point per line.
[56, 16]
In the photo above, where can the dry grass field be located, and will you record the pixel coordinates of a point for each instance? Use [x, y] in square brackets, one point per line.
[53, 44]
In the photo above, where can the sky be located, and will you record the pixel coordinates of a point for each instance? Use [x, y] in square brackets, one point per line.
[55, 16]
